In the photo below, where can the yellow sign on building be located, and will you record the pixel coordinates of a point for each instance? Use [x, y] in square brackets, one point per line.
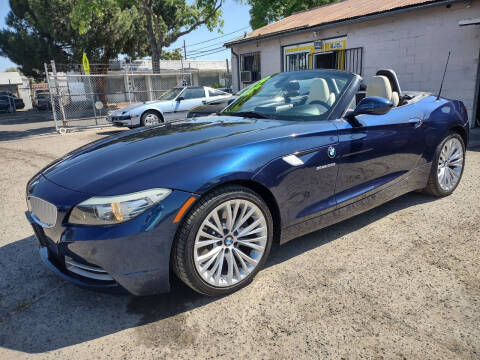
[300, 56]
[331, 44]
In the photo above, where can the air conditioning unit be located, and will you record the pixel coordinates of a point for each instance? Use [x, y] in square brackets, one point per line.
[246, 76]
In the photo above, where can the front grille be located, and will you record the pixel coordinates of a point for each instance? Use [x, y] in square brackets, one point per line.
[43, 212]
[88, 271]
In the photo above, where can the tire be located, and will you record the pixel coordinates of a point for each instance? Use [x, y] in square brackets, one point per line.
[150, 118]
[189, 248]
[437, 185]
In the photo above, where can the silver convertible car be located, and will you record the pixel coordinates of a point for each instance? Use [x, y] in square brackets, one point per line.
[174, 104]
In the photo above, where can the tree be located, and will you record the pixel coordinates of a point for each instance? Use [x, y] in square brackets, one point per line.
[165, 20]
[172, 55]
[13, 69]
[41, 30]
[264, 12]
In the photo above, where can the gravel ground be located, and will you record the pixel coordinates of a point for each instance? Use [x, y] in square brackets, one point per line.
[400, 281]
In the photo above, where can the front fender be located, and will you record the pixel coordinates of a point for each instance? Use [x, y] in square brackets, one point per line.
[141, 110]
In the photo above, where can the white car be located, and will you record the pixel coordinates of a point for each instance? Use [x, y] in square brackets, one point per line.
[174, 104]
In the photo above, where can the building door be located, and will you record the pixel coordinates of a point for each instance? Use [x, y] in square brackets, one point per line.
[348, 60]
[326, 60]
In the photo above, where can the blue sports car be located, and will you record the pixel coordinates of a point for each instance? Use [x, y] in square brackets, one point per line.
[206, 198]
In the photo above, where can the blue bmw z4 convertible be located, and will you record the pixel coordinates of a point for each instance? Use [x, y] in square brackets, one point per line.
[207, 197]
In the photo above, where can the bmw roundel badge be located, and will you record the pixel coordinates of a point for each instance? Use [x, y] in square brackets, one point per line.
[331, 152]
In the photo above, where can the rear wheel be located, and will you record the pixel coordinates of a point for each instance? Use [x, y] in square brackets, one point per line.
[447, 167]
[224, 241]
[150, 117]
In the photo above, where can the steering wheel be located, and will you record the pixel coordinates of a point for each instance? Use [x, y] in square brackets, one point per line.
[320, 102]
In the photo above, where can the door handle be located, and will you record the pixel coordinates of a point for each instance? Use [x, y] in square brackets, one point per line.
[416, 121]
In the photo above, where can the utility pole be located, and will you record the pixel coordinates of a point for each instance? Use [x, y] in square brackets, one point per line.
[184, 49]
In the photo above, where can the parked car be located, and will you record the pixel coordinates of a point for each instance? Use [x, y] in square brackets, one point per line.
[6, 105]
[7, 93]
[42, 101]
[15, 103]
[207, 197]
[226, 89]
[216, 105]
[174, 104]
[210, 107]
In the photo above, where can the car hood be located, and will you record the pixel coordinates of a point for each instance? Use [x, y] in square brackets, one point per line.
[170, 155]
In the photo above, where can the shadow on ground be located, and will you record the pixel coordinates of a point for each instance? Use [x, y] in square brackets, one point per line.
[42, 313]
[23, 134]
[26, 117]
[26, 124]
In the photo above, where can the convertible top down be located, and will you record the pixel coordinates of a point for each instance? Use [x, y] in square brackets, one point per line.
[205, 198]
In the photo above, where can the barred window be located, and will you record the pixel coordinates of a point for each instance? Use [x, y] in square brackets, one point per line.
[251, 62]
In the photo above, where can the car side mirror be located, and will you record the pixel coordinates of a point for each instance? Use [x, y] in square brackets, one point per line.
[372, 105]
[180, 98]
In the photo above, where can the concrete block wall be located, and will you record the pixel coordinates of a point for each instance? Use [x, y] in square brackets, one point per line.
[415, 44]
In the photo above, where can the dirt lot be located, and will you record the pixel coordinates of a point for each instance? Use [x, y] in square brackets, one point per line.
[401, 281]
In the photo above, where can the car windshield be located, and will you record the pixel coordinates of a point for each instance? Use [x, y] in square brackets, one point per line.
[42, 96]
[170, 94]
[297, 95]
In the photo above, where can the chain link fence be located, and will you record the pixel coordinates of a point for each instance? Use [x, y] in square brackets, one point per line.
[83, 101]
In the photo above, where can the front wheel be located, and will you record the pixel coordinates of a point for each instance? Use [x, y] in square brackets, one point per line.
[224, 241]
[447, 167]
[149, 118]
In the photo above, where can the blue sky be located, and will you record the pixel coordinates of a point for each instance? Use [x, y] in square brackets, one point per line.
[235, 15]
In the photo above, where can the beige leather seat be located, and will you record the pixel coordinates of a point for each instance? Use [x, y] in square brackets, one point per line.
[319, 91]
[380, 86]
[395, 98]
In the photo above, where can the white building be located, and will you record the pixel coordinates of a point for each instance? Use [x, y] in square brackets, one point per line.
[203, 72]
[413, 37]
[18, 85]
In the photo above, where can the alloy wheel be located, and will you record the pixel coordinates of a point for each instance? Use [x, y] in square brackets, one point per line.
[450, 164]
[230, 242]
[151, 119]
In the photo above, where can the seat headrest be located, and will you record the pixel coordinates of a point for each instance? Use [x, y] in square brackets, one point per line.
[395, 99]
[380, 86]
[392, 77]
[319, 90]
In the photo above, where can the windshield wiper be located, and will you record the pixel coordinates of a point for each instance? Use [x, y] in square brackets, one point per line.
[252, 114]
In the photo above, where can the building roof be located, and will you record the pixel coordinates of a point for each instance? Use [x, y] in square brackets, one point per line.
[10, 78]
[331, 14]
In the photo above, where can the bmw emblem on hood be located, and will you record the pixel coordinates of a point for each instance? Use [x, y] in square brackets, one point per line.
[331, 152]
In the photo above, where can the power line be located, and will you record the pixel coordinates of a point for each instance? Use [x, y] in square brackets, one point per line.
[211, 46]
[195, 53]
[210, 53]
[218, 37]
[214, 52]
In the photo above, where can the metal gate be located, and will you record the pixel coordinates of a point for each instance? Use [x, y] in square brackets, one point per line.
[350, 60]
[84, 101]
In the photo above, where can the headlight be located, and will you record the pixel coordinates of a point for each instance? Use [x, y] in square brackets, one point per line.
[107, 210]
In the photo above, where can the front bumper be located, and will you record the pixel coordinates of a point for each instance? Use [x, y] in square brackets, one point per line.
[135, 254]
[124, 120]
